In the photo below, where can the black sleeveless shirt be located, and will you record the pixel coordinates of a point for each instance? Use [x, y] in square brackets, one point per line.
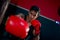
[30, 33]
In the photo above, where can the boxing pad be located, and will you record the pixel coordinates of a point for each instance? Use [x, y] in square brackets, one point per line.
[36, 24]
[17, 26]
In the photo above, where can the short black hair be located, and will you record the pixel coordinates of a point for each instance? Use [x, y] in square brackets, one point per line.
[35, 8]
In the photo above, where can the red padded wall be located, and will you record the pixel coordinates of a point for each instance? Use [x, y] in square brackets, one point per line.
[48, 7]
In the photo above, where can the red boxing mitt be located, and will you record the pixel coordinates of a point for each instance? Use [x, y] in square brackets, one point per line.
[36, 24]
[17, 27]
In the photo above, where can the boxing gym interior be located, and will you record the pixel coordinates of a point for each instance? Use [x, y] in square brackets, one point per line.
[49, 17]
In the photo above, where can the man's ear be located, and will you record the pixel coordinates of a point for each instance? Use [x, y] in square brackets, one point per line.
[37, 14]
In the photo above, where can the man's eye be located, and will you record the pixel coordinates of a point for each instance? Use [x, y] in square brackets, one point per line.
[34, 15]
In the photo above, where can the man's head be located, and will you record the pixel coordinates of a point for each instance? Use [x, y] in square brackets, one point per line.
[34, 12]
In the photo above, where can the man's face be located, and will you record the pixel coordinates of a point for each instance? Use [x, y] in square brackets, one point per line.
[33, 15]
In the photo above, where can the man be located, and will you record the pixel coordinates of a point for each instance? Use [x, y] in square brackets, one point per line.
[30, 19]
[32, 15]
